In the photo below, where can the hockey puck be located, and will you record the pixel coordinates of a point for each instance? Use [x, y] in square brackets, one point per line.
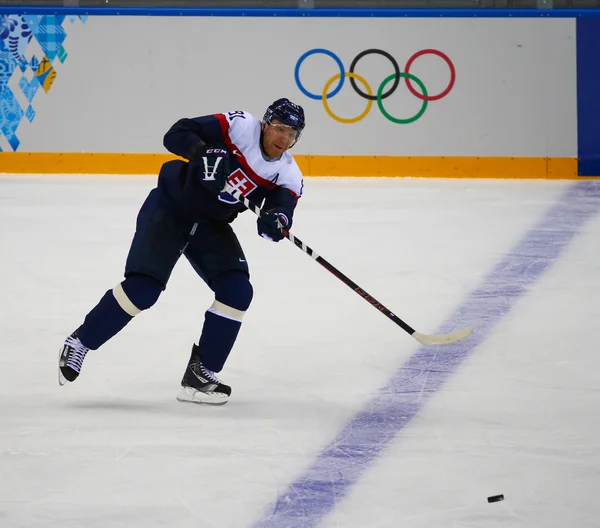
[496, 498]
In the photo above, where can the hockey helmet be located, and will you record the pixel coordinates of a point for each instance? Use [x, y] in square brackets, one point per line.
[288, 113]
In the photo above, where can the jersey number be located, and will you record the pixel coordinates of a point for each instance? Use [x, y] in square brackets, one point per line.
[237, 113]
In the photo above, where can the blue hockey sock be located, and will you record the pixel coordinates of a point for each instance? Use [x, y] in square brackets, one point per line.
[117, 307]
[105, 320]
[223, 320]
[217, 340]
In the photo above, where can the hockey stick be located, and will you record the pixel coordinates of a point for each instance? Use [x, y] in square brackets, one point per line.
[425, 339]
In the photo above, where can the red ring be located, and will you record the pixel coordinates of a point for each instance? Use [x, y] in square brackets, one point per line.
[452, 75]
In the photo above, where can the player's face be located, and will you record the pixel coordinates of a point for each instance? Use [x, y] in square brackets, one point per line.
[277, 138]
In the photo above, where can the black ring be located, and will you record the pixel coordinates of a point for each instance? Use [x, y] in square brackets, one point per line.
[394, 64]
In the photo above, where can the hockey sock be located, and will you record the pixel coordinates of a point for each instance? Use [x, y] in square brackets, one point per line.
[222, 321]
[117, 307]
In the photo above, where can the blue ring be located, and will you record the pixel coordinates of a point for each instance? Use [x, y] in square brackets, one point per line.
[325, 52]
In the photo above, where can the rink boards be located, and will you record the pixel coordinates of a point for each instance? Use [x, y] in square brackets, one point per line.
[94, 91]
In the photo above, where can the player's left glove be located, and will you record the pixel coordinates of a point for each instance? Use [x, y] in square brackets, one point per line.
[211, 164]
[271, 223]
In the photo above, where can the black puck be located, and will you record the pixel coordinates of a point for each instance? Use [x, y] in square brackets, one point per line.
[496, 498]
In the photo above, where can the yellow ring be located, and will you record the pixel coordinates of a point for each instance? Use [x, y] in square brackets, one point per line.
[343, 119]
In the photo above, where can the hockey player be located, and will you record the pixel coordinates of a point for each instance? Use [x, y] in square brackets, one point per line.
[188, 213]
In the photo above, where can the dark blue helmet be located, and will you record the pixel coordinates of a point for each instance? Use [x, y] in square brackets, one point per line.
[288, 113]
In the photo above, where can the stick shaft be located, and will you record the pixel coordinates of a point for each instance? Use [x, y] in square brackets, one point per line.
[327, 265]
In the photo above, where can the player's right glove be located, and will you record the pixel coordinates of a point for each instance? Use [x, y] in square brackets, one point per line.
[210, 165]
[271, 223]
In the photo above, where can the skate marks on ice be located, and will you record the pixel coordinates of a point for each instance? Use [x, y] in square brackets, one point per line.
[341, 464]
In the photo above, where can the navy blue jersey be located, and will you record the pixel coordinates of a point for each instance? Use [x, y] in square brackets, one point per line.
[267, 183]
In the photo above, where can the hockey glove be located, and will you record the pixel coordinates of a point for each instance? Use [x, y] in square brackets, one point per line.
[271, 223]
[211, 166]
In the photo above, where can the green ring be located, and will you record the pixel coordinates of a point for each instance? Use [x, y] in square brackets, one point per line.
[392, 118]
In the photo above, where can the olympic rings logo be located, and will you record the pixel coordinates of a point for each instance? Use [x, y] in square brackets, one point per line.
[381, 94]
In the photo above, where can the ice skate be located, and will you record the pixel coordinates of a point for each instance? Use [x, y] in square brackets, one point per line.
[71, 358]
[201, 385]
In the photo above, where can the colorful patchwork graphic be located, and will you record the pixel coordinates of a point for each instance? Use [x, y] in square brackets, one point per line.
[26, 67]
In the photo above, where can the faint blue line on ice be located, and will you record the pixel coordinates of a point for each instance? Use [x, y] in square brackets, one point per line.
[341, 464]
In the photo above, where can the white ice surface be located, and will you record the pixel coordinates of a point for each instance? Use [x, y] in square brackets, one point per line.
[114, 449]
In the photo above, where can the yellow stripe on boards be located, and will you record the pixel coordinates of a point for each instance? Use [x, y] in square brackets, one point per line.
[439, 166]
[362, 166]
[81, 163]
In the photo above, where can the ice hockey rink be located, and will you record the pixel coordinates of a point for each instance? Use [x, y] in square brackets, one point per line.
[338, 418]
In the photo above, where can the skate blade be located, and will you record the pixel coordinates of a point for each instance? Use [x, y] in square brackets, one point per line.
[61, 379]
[190, 395]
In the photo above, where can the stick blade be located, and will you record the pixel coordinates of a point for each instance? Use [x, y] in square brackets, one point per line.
[443, 339]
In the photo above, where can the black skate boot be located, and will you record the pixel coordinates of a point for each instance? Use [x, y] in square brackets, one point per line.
[71, 358]
[200, 385]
